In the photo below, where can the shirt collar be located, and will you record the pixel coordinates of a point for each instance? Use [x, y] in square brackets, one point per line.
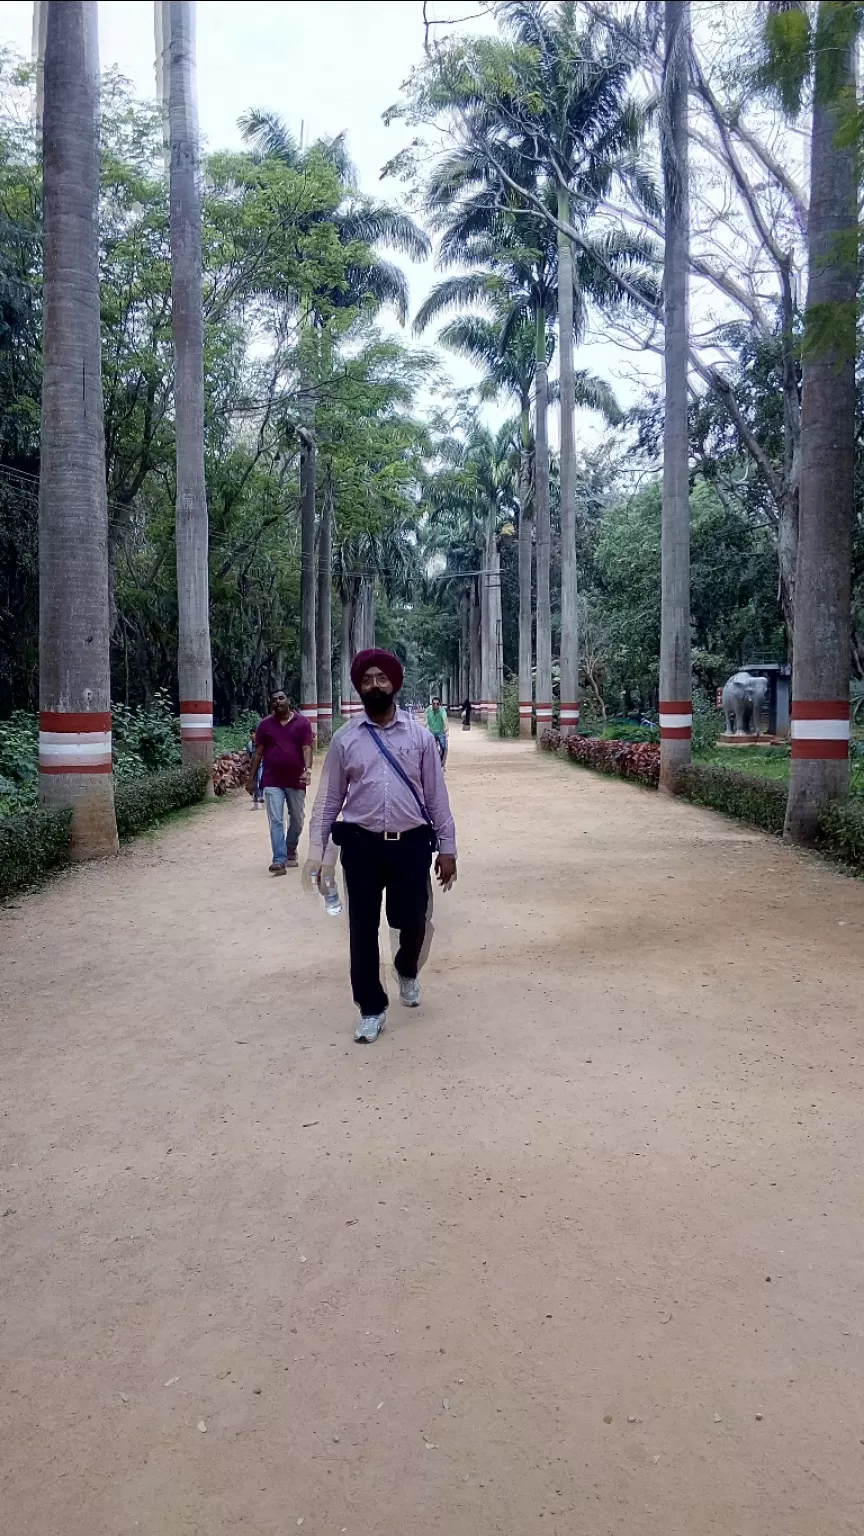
[400, 718]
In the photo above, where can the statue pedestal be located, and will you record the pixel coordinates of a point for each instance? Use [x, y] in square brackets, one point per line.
[752, 741]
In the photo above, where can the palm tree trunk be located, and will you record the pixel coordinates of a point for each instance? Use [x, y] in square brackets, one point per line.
[569, 708]
[526, 689]
[676, 684]
[308, 670]
[475, 648]
[348, 703]
[365, 636]
[464, 646]
[324, 615]
[496, 652]
[544, 537]
[486, 625]
[75, 766]
[821, 661]
[194, 665]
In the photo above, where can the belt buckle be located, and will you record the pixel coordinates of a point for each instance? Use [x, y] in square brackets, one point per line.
[392, 837]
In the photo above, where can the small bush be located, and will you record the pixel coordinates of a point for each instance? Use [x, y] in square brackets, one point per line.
[141, 802]
[759, 801]
[146, 739]
[31, 844]
[628, 730]
[638, 760]
[507, 722]
[841, 828]
[627, 759]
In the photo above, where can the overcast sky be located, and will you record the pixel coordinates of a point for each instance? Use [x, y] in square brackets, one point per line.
[330, 65]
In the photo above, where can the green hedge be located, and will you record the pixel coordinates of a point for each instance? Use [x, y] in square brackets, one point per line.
[141, 802]
[31, 844]
[759, 801]
[841, 829]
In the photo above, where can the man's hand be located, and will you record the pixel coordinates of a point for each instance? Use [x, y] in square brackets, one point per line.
[306, 777]
[445, 869]
[311, 874]
[250, 786]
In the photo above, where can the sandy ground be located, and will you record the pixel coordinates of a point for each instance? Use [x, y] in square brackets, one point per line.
[575, 1249]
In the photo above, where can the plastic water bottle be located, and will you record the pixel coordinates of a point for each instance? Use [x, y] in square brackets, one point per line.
[330, 891]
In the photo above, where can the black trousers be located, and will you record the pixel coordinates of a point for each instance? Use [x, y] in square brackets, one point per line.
[372, 867]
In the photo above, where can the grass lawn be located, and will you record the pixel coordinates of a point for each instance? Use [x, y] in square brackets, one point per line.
[768, 763]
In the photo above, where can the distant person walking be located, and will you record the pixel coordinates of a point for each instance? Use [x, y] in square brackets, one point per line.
[383, 774]
[466, 715]
[258, 796]
[436, 722]
[283, 750]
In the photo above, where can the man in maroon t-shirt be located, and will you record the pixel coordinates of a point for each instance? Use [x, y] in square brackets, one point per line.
[283, 742]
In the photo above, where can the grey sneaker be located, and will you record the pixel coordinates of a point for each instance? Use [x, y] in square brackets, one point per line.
[409, 992]
[369, 1028]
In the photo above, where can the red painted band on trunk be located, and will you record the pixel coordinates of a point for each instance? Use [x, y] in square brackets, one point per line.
[56, 767]
[835, 751]
[675, 732]
[57, 720]
[820, 709]
[196, 732]
[676, 707]
[196, 706]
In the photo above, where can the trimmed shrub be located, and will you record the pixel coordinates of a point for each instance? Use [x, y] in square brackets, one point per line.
[31, 844]
[141, 802]
[639, 760]
[743, 795]
[841, 829]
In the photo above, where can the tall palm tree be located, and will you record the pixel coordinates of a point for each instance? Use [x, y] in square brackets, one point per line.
[324, 613]
[74, 672]
[176, 47]
[676, 687]
[470, 502]
[369, 284]
[507, 369]
[583, 128]
[515, 275]
[821, 660]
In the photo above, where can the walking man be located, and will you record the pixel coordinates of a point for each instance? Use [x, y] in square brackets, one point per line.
[436, 721]
[283, 749]
[383, 773]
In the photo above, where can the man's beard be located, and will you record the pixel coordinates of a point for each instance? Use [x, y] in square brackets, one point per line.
[376, 702]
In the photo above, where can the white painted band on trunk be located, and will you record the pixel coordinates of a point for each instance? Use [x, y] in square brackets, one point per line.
[69, 741]
[525, 709]
[675, 722]
[196, 722]
[79, 747]
[821, 730]
[569, 714]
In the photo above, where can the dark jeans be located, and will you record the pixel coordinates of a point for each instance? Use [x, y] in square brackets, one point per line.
[372, 866]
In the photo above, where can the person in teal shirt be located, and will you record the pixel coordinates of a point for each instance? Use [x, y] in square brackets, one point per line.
[436, 721]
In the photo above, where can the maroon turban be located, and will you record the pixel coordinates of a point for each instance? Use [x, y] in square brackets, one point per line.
[385, 661]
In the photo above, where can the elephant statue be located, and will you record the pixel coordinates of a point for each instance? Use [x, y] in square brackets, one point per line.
[745, 698]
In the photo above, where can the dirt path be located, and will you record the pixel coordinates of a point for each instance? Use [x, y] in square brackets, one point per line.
[536, 1262]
